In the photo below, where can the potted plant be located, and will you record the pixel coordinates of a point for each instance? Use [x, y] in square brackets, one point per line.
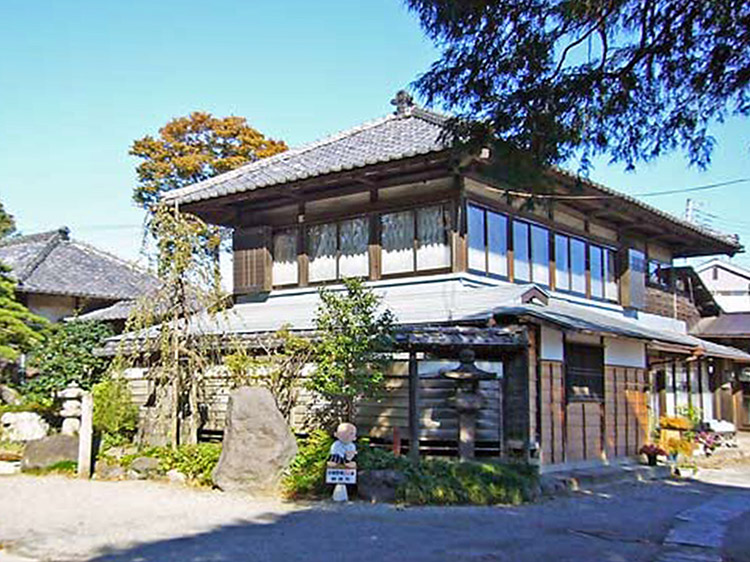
[677, 423]
[677, 447]
[708, 440]
[652, 451]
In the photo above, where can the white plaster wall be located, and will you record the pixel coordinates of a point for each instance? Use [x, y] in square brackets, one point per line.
[552, 345]
[624, 352]
[52, 307]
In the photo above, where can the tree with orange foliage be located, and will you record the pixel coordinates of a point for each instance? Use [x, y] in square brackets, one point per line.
[194, 148]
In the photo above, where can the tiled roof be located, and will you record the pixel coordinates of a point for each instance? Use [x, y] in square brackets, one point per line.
[730, 325]
[52, 263]
[411, 131]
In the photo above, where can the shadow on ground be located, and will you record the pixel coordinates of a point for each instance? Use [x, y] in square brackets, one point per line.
[627, 524]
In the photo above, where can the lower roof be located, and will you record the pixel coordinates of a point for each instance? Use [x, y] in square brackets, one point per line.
[448, 300]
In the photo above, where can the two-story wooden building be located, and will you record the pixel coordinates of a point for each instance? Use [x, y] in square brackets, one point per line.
[570, 300]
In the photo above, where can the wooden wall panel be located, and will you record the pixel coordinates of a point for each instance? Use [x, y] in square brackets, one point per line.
[551, 414]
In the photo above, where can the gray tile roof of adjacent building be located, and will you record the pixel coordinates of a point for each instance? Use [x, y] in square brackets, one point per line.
[52, 263]
[729, 325]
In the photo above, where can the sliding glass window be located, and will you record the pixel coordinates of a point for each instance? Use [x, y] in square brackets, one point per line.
[285, 270]
[415, 240]
[562, 262]
[570, 264]
[540, 255]
[338, 250]
[488, 242]
[578, 266]
[596, 261]
[521, 263]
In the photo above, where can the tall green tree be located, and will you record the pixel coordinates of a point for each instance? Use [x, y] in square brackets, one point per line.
[194, 148]
[20, 330]
[630, 79]
[353, 336]
[7, 223]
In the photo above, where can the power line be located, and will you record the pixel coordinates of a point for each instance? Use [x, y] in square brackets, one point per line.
[691, 189]
[528, 195]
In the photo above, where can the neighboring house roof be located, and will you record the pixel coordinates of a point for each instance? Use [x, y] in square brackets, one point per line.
[730, 325]
[408, 132]
[119, 311]
[52, 263]
[695, 287]
[718, 262]
[445, 300]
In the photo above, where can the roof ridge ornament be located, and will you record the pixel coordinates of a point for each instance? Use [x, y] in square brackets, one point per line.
[404, 103]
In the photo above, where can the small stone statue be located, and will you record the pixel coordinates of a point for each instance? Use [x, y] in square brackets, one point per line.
[71, 408]
[341, 464]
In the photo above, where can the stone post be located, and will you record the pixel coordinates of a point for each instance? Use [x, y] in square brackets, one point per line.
[86, 436]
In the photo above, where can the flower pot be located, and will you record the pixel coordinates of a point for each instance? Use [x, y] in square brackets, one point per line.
[651, 460]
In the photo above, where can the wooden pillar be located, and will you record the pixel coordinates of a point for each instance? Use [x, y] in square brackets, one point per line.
[413, 407]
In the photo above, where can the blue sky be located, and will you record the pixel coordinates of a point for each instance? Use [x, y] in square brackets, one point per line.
[81, 79]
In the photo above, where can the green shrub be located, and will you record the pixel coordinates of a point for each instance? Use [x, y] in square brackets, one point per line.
[437, 481]
[305, 477]
[115, 415]
[432, 481]
[66, 356]
[197, 462]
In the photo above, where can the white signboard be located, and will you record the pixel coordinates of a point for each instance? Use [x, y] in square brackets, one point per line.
[341, 476]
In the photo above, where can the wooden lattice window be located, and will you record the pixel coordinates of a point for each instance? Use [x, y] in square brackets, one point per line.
[584, 372]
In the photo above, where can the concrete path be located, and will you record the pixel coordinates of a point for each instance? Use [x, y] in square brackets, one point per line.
[701, 534]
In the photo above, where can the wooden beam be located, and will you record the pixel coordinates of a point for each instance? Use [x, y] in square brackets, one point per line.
[413, 407]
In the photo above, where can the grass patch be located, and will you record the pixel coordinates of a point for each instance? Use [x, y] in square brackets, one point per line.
[66, 468]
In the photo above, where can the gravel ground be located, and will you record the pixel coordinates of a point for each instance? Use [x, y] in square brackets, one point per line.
[59, 519]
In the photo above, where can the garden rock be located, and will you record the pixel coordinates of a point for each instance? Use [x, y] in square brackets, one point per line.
[107, 471]
[43, 453]
[176, 477]
[8, 468]
[143, 467]
[9, 396]
[258, 444]
[379, 485]
[23, 426]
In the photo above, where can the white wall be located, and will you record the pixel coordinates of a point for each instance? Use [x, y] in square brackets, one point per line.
[552, 345]
[624, 352]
